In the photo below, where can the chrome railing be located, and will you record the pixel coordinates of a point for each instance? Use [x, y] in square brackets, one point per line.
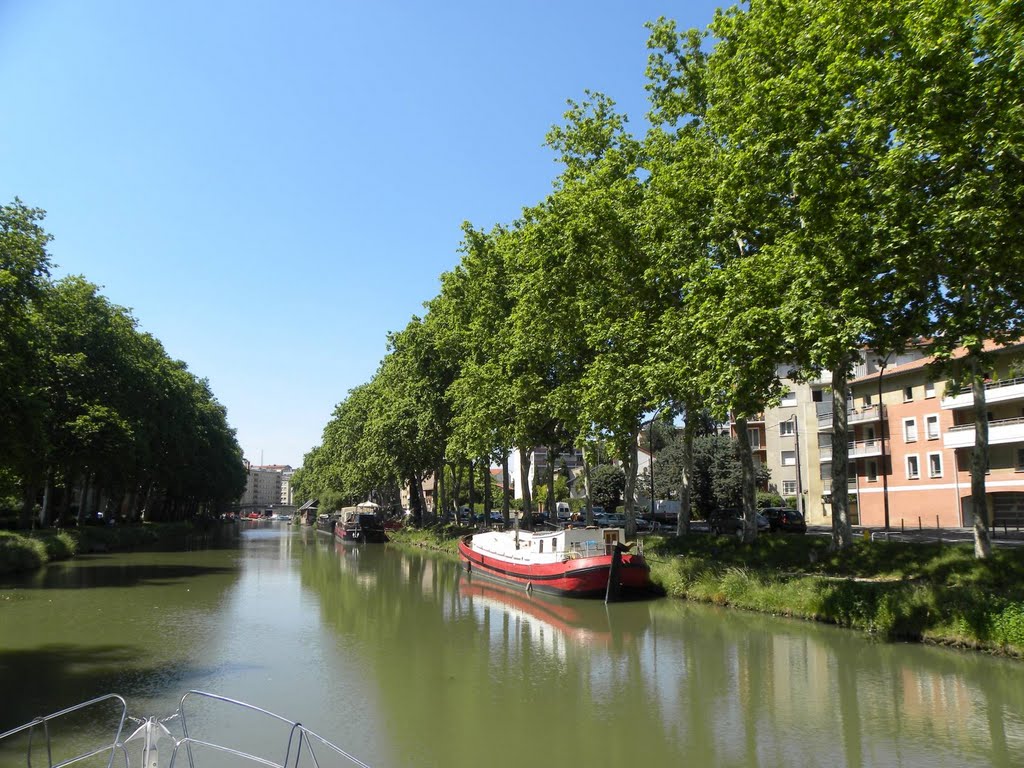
[144, 746]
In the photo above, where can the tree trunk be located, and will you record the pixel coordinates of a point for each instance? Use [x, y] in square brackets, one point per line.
[456, 487]
[842, 533]
[470, 487]
[552, 452]
[485, 478]
[44, 513]
[588, 516]
[414, 499]
[524, 479]
[28, 500]
[748, 482]
[979, 464]
[505, 487]
[629, 502]
[83, 502]
[440, 487]
[685, 513]
[421, 496]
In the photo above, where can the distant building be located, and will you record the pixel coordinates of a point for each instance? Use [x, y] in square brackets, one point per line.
[572, 460]
[267, 486]
[793, 439]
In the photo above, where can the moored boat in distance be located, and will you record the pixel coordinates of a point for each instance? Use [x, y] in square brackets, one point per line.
[325, 523]
[360, 524]
[572, 561]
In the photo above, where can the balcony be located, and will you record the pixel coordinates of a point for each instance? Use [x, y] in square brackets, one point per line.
[861, 449]
[1000, 432]
[995, 392]
[865, 415]
[865, 449]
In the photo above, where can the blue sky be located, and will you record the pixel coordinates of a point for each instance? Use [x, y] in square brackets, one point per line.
[272, 187]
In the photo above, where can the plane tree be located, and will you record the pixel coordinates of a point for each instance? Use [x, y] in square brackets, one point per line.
[676, 213]
[475, 303]
[592, 220]
[24, 272]
[959, 162]
[722, 334]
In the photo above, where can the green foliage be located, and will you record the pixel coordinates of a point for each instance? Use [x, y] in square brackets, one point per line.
[718, 479]
[19, 553]
[895, 591]
[93, 401]
[769, 499]
[1008, 626]
[606, 485]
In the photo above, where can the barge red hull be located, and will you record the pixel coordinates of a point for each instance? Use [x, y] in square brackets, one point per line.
[573, 577]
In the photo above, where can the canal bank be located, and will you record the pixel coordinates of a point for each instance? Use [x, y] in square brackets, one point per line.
[22, 552]
[922, 592]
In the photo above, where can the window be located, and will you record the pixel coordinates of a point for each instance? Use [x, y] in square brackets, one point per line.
[910, 430]
[929, 389]
[908, 394]
[931, 426]
[789, 399]
[1020, 459]
[818, 395]
[789, 458]
[789, 487]
[755, 438]
[872, 471]
[934, 465]
[787, 428]
[867, 401]
[913, 467]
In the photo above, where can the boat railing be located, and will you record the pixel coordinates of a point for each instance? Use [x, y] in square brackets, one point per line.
[302, 744]
[589, 548]
[144, 746]
[40, 734]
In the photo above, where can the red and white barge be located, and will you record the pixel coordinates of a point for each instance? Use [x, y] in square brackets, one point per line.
[573, 561]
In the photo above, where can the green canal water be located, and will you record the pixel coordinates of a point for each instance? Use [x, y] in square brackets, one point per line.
[406, 660]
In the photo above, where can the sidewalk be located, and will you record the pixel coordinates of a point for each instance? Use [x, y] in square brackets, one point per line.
[1011, 537]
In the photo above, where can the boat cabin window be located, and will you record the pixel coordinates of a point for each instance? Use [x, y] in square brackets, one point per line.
[542, 546]
[611, 538]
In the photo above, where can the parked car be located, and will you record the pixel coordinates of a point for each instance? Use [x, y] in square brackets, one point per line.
[613, 521]
[730, 522]
[562, 511]
[785, 520]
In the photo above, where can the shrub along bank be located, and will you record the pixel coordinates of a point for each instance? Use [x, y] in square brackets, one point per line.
[28, 551]
[896, 591]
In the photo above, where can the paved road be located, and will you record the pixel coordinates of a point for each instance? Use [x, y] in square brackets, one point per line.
[1001, 538]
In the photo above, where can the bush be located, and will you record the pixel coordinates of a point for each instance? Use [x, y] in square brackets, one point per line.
[20, 553]
[768, 499]
[1008, 626]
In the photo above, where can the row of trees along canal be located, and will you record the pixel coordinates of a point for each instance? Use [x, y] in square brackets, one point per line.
[93, 405]
[819, 178]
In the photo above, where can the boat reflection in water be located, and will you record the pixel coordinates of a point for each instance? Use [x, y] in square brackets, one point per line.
[554, 624]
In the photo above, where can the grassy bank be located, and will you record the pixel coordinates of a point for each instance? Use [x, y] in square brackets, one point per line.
[896, 591]
[29, 551]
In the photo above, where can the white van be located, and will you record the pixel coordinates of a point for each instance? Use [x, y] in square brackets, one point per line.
[562, 510]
